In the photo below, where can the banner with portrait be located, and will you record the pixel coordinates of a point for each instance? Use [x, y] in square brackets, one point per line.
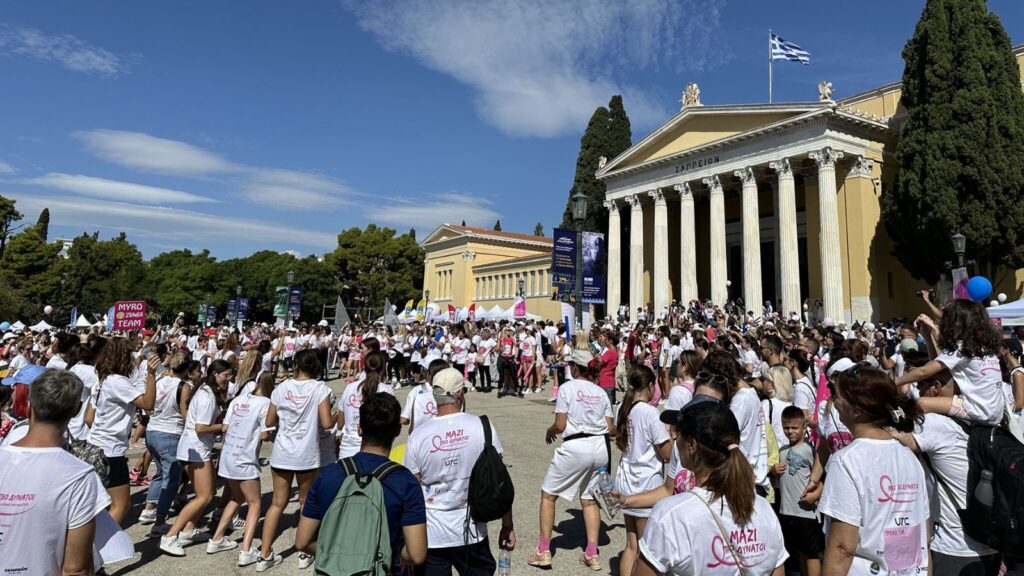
[563, 266]
[595, 266]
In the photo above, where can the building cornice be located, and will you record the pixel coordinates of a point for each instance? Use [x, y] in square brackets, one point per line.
[465, 236]
[515, 263]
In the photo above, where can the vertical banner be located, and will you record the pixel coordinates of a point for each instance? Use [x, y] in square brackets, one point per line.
[295, 302]
[232, 307]
[472, 312]
[451, 313]
[211, 313]
[563, 266]
[201, 317]
[519, 309]
[595, 260]
[74, 317]
[243, 309]
[281, 301]
[960, 284]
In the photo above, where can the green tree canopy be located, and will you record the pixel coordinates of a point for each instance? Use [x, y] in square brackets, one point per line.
[961, 148]
[8, 216]
[29, 267]
[384, 264]
[43, 224]
[497, 226]
[538, 230]
[98, 273]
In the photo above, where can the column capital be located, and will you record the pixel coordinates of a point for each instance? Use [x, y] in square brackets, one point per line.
[782, 167]
[861, 168]
[634, 201]
[826, 157]
[746, 175]
[657, 195]
[610, 205]
[684, 190]
[713, 184]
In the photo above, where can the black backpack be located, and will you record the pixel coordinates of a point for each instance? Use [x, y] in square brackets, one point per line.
[491, 492]
[1001, 525]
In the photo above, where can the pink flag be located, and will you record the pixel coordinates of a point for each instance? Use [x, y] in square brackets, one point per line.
[472, 312]
[451, 313]
[519, 310]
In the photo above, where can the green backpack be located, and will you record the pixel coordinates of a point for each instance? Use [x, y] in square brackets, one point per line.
[354, 538]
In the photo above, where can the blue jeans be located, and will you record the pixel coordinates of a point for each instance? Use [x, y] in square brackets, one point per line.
[163, 446]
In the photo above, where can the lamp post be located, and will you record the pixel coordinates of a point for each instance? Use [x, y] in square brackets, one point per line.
[238, 300]
[579, 213]
[959, 247]
[288, 301]
[426, 305]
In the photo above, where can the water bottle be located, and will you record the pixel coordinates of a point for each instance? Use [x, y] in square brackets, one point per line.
[605, 485]
[504, 563]
[983, 491]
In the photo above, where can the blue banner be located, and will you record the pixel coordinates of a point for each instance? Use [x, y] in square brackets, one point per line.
[595, 266]
[211, 313]
[295, 302]
[563, 266]
[232, 304]
[243, 309]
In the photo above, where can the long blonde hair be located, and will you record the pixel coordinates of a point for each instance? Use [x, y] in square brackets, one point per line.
[250, 367]
[782, 381]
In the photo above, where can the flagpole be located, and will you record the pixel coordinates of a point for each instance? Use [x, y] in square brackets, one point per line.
[769, 65]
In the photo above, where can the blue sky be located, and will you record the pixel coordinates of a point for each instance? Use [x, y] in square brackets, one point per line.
[246, 125]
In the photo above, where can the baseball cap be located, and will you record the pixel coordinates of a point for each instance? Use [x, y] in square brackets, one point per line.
[448, 382]
[908, 345]
[581, 357]
[9, 336]
[708, 422]
[672, 417]
[841, 365]
[24, 376]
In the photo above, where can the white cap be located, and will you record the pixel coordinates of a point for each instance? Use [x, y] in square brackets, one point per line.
[841, 365]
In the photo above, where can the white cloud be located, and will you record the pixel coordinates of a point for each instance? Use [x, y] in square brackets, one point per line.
[114, 189]
[428, 212]
[293, 190]
[151, 154]
[6, 168]
[539, 68]
[160, 224]
[64, 49]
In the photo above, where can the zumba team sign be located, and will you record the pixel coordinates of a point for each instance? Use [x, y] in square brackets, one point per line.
[130, 315]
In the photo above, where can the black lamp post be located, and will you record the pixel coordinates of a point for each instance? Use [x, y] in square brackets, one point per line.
[959, 248]
[579, 214]
[238, 301]
[288, 301]
[426, 305]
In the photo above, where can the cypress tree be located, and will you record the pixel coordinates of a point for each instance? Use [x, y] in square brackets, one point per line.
[538, 230]
[620, 134]
[961, 148]
[497, 226]
[43, 224]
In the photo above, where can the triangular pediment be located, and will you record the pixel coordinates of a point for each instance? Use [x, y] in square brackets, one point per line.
[696, 126]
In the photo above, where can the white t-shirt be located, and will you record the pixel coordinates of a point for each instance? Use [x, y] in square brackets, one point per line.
[57, 362]
[202, 409]
[775, 411]
[879, 486]
[441, 453]
[166, 416]
[460, 350]
[586, 405]
[682, 538]
[981, 385]
[112, 424]
[753, 439]
[484, 348]
[526, 349]
[246, 419]
[296, 446]
[945, 444]
[804, 394]
[832, 429]
[640, 465]
[87, 374]
[419, 406]
[44, 492]
[18, 363]
[350, 401]
[679, 396]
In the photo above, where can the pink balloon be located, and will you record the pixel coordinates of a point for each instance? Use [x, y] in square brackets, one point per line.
[48, 310]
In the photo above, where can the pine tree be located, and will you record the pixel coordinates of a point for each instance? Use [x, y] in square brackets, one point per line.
[538, 230]
[43, 224]
[412, 233]
[463, 223]
[961, 149]
[497, 226]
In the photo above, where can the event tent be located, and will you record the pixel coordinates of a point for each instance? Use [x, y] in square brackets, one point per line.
[1009, 314]
[82, 322]
[42, 326]
[18, 326]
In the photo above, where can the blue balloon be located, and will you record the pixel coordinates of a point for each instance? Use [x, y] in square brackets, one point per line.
[5, 326]
[979, 288]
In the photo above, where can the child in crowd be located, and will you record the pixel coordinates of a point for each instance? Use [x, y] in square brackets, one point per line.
[800, 527]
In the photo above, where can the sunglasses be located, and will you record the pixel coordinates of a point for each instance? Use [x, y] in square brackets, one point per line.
[854, 371]
[703, 376]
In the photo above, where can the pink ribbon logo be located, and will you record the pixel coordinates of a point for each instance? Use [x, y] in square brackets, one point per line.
[724, 556]
[888, 488]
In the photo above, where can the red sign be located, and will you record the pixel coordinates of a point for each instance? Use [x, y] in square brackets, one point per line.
[130, 315]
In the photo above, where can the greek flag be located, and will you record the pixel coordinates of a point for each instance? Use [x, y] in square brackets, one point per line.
[784, 50]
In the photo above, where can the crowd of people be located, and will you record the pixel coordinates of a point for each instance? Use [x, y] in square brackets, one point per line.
[747, 443]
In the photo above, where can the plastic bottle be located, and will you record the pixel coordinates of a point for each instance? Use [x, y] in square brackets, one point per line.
[983, 491]
[504, 563]
[605, 484]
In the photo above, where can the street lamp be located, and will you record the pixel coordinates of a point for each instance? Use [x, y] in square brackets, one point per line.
[426, 305]
[520, 287]
[238, 300]
[579, 214]
[288, 301]
[959, 247]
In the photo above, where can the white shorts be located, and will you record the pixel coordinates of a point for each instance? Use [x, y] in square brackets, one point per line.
[573, 466]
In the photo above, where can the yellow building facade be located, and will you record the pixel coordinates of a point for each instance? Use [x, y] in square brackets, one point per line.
[464, 265]
[776, 203]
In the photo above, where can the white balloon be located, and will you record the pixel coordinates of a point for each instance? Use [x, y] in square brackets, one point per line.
[993, 303]
[728, 283]
[1001, 297]
[48, 310]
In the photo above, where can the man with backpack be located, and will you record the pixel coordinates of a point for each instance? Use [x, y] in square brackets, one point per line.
[444, 454]
[341, 521]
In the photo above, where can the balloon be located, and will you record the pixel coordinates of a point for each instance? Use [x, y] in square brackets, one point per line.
[993, 303]
[1001, 297]
[5, 326]
[48, 310]
[728, 283]
[979, 288]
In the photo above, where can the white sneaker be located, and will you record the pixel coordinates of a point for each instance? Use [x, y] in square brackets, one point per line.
[264, 564]
[238, 523]
[213, 546]
[147, 516]
[305, 560]
[187, 537]
[159, 530]
[171, 545]
[247, 557]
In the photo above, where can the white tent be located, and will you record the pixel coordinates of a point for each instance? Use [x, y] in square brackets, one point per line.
[494, 313]
[41, 327]
[18, 326]
[82, 322]
[100, 324]
[1009, 314]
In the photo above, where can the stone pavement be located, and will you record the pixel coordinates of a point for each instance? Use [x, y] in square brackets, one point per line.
[520, 423]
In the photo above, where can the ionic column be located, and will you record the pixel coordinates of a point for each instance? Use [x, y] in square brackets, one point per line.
[614, 279]
[661, 293]
[828, 209]
[719, 270]
[687, 245]
[751, 242]
[636, 254]
[789, 252]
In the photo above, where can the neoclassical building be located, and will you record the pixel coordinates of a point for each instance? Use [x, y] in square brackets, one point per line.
[768, 202]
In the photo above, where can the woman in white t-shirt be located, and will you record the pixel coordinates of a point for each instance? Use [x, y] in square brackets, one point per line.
[300, 408]
[583, 416]
[527, 353]
[682, 390]
[645, 447]
[805, 390]
[85, 356]
[777, 386]
[875, 500]
[121, 389]
[245, 423]
[352, 398]
[195, 450]
[63, 344]
[718, 527]
[163, 433]
[245, 379]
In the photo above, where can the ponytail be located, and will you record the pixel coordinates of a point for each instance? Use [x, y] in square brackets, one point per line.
[640, 377]
[732, 478]
[374, 367]
[906, 414]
